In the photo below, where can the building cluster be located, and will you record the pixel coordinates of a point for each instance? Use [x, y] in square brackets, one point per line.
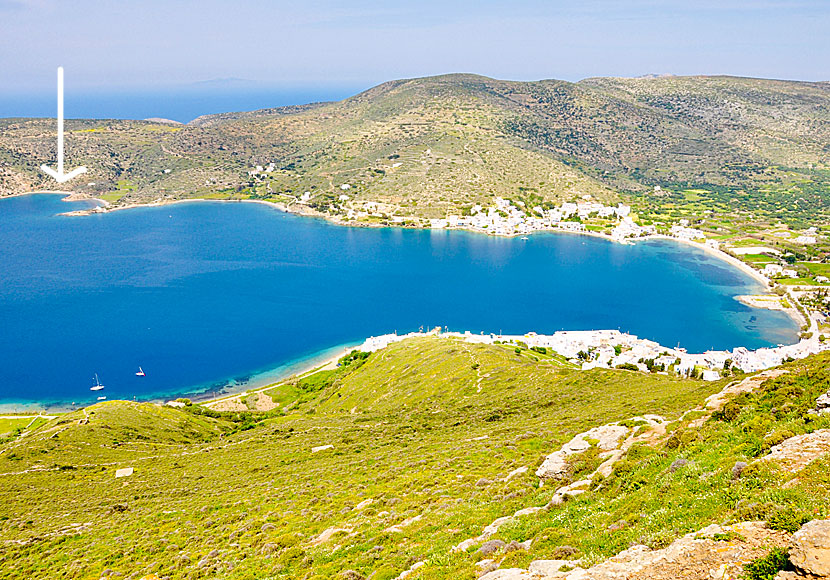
[776, 270]
[683, 232]
[611, 349]
[508, 218]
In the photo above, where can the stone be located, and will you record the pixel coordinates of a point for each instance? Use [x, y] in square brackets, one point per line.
[516, 472]
[485, 567]
[495, 525]
[527, 511]
[811, 548]
[483, 482]
[677, 464]
[823, 403]
[607, 438]
[490, 547]
[795, 453]
[124, 472]
[738, 469]
[465, 545]
[270, 548]
[350, 575]
[508, 574]
[321, 448]
[564, 551]
[363, 504]
[267, 527]
[549, 567]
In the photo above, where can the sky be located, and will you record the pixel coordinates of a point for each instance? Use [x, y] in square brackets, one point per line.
[151, 44]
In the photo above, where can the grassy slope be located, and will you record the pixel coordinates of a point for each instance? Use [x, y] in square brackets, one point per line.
[411, 452]
[412, 433]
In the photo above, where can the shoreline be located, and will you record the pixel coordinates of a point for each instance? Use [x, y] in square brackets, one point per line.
[75, 197]
[715, 252]
[269, 379]
[307, 364]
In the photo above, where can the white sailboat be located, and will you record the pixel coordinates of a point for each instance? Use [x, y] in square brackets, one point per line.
[140, 372]
[97, 386]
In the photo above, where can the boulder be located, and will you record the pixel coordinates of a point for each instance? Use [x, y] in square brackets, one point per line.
[485, 567]
[811, 548]
[677, 464]
[549, 567]
[490, 547]
[823, 403]
[606, 437]
[795, 453]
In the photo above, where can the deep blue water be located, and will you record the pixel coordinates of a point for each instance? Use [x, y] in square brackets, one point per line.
[183, 105]
[198, 293]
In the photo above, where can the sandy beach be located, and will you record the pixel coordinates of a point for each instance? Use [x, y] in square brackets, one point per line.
[233, 402]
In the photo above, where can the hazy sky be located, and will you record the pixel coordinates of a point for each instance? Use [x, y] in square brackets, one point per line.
[152, 43]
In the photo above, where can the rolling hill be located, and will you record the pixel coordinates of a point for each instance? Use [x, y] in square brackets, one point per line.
[434, 146]
[402, 461]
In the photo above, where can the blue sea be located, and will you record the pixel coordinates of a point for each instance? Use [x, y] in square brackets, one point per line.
[181, 104]
[206, 294]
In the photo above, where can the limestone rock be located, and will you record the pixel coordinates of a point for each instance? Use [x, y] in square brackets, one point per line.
[508, 574]
[516, 472]
[549, 567]
[811, 548]
[607, 438]
[490, 547]
[796, 452]
[823, 403]
[485, 567]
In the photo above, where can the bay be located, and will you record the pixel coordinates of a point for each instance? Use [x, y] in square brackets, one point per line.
[203, 294]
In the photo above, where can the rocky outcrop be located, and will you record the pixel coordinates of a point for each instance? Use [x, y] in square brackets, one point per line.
[715, 552]
[797, 452]
[810, 552]
[607, 438]
[823, 404]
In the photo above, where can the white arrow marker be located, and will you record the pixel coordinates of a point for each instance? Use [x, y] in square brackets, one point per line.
[59, 175]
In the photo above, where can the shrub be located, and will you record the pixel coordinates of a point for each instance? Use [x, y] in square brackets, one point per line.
[767, 567]
[787, 519]
[777, 437]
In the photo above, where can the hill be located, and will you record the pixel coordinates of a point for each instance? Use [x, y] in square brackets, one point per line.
[434, 146]
[398, 458]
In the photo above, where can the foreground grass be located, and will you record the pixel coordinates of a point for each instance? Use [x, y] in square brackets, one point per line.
[426, 429]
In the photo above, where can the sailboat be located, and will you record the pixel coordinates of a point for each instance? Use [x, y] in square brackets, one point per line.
[140, 372]
[97, 386]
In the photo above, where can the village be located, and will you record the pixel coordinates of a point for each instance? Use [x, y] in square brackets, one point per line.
[589, 349]
[507, 219]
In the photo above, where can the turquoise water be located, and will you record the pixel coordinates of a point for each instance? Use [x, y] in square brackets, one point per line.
[202, 293]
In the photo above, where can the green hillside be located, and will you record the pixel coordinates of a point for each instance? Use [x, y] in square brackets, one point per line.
[423, 437]
[434, 146]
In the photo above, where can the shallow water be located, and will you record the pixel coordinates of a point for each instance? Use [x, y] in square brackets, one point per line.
[202, 293]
